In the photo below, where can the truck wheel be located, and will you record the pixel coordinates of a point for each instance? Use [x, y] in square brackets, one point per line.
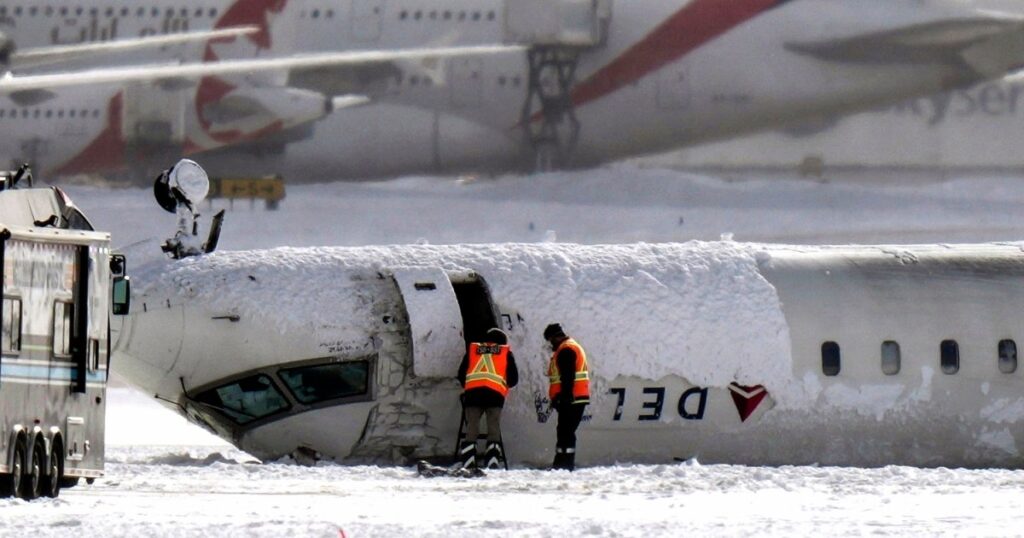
[53, 480]
[10, 484]
[31, 485]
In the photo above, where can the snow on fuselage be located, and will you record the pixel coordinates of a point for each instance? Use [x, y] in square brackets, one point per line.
[728, 352]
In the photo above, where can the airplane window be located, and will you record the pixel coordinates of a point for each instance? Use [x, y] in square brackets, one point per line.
[490, 15]
[140, 12]
[155, 12]
[49, 113]
[110, 12]
[476, 15]
[48, 11]
[11, 329]
[403, 15]
[124, 12]
[184, 12]
[830, 358]
[246, 400]
[950, 357]
[35, 113]
[316, 13]
[60, 113]
[170, 12]
[24, 113]
[95, 113]
[330, 13]
[447, 15]
[63, 11]
[1007, 356]
[71, 113]
[313, 384]
[17, 10]
[79, 10]
[890, 358]
[213, 12]
[2, 113]
[84, 113]
[3, 10]
[501, 80]
[418, 15]
[94, 11]
[33, 10]
[433, 15]
[199, 12]
[462, 15]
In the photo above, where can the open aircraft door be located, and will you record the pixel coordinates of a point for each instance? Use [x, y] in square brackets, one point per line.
[435, 320]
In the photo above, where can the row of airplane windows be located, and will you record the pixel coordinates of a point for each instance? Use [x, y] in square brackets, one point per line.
[415, 80]
[47, 113]
[446, 15]
[949, 357]
[65, 11]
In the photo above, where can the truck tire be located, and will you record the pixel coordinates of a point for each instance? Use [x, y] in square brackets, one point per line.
[31, 484]
[53, 480]
[10, 484]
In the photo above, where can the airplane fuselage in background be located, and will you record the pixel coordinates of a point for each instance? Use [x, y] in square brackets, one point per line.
[662, 75]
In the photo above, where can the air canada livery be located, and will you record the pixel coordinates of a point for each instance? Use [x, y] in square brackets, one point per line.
[724, 352]
[582, 82]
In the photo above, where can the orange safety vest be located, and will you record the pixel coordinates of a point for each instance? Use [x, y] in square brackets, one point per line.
[487, 366]
[581, 382]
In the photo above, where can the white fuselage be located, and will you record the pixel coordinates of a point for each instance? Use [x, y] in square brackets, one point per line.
[642, 89]
[726, 352]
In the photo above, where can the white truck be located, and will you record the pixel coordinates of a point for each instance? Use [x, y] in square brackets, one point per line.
[60, 284]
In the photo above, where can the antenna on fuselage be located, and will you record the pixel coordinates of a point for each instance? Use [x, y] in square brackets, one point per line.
[180, 189]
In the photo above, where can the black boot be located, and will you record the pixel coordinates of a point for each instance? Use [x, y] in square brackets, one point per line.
[570, 459]
[494, 458]
[559, 462]
[467, 455]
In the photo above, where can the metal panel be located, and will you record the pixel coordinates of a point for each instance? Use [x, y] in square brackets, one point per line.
[466, 81]
[673, 88]
[367, 16]
[435, 321]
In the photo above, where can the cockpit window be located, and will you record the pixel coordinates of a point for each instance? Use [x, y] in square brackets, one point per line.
[313, 384]
[246, 400]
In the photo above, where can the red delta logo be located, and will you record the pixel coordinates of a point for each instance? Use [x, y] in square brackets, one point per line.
[746, 398]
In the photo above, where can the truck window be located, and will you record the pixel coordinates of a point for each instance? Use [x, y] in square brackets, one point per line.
[246, 400]
[312, 384]
[63, 314]
[11, 333]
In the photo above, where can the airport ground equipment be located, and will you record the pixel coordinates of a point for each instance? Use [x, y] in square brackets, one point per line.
[60, 283]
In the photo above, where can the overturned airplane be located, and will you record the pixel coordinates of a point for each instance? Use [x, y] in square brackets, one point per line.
[725, 352]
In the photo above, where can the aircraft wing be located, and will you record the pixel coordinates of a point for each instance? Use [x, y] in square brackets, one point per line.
[41, 56]
[11, 84]
[982, 44]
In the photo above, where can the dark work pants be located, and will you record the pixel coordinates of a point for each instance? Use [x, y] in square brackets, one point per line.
[493, 415]
[569, 418]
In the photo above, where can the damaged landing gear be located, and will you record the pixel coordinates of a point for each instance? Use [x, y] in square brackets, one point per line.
[179, 190]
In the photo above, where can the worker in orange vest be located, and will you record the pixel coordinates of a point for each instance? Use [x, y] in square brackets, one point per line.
[487, 371]
[569, 392]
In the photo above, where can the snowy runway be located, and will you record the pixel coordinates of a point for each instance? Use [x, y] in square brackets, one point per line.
[164, 491]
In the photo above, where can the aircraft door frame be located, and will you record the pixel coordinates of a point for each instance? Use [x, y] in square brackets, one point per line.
[465, 78]
[435, 320]
[367, 19]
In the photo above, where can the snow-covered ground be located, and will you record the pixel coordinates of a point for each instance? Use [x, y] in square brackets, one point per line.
[168, 478]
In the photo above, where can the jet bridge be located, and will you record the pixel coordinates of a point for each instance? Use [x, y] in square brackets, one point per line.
[557, 32]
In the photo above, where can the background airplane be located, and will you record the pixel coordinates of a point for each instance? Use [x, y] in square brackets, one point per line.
[599, 83]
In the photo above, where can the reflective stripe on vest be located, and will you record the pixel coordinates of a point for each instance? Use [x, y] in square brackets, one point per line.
[581, 380]
[487, 367]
